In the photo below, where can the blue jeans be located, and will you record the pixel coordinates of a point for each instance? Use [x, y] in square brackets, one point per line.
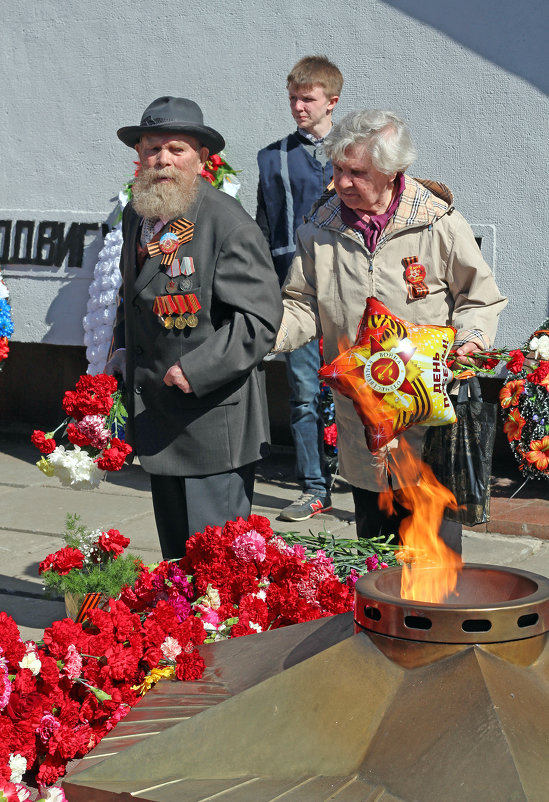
[306, 424]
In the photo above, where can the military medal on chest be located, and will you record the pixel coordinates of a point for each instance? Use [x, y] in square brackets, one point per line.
[180, 231]
[179, 271]
[171, 310]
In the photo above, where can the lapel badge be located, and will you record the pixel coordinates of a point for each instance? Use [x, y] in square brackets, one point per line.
[169, 242]
[415, 274]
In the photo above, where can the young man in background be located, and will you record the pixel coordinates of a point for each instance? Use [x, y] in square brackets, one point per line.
[293, 174]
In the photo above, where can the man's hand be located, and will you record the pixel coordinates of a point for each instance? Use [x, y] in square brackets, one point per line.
[462, 352]
[116, 364]
[176, 378]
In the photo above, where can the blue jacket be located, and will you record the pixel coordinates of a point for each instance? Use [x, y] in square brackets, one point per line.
[290, 181]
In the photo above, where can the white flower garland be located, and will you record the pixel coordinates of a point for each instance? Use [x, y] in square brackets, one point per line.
[103, 298]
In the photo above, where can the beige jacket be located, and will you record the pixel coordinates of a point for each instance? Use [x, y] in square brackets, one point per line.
[333, 273]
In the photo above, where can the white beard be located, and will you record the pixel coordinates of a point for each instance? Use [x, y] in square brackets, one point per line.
[163, 201]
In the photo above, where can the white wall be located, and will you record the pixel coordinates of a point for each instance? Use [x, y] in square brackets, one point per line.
[470, 77]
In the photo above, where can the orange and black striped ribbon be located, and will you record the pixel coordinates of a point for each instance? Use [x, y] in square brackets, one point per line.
[183, 229]
[91, 601]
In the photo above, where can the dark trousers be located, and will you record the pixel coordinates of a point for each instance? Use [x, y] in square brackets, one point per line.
[184, 505]
[371, 521]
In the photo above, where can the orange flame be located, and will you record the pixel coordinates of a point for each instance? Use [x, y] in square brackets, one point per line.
[426, 498]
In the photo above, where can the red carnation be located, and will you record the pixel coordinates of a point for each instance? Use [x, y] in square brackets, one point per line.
[62, 561]
[113, 457]
[101, 384]
[4, 348]
[113, 542]
[76, 437]
[13, 647]
[44, 444]
[189, 666]
[540, 374]
[516, 362]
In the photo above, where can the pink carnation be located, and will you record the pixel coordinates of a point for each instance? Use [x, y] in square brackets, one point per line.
[322, 567]
[46, 728]
[73, 662]
[93, 427]
[250, 546]
[5, 684]
[372, 562]
[208, 615]
[352, 578]
[170, 648]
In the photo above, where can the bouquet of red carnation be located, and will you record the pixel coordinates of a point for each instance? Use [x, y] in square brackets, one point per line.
[221, 175]
[94, 429]
[91, 561]
[247, 579]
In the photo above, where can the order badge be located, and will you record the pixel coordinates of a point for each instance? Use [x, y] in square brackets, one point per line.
[385, 372]
[168, 242]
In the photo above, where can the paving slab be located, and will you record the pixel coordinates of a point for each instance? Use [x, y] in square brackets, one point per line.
[527, 553]
[44, 508]
[20, 557]
[19, 470]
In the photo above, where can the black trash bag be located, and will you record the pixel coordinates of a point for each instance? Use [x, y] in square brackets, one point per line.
[460, 454]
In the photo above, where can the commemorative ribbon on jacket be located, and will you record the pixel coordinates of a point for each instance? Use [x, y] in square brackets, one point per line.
[165, 306]
[180, 231]
[415, 273]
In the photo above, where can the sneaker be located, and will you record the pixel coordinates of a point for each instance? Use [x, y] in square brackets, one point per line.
[307, 505]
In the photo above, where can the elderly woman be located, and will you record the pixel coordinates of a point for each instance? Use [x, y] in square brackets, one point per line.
[359, 242]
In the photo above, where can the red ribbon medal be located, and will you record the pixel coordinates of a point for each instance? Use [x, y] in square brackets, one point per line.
[167, 305]
[415, 273]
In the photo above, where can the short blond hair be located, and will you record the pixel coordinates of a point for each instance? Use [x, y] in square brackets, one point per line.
[311, 70]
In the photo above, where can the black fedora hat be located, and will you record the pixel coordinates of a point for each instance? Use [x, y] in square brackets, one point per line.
[177, 114]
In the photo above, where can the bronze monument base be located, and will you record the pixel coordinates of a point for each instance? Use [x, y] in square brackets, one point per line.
[311, 713]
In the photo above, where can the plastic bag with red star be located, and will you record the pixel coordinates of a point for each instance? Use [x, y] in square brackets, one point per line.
[395, 374]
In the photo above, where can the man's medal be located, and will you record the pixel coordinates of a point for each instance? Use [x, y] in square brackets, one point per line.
[173, 270]
[165, 306]
[180, 231]
[193, 306]
[186, 270]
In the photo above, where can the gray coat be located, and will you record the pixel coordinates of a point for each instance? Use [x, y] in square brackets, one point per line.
[223, 423]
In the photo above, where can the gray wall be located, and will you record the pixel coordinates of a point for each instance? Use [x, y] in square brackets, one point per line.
[470, 77]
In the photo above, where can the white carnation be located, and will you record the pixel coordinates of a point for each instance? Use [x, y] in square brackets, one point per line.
[543, 347]
[18, 766]
[31, 660]
[75, 468]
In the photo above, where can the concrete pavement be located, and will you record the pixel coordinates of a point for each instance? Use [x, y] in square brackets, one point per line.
[33, 509]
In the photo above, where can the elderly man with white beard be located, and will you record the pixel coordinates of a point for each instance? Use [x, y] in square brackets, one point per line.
[199, 309]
